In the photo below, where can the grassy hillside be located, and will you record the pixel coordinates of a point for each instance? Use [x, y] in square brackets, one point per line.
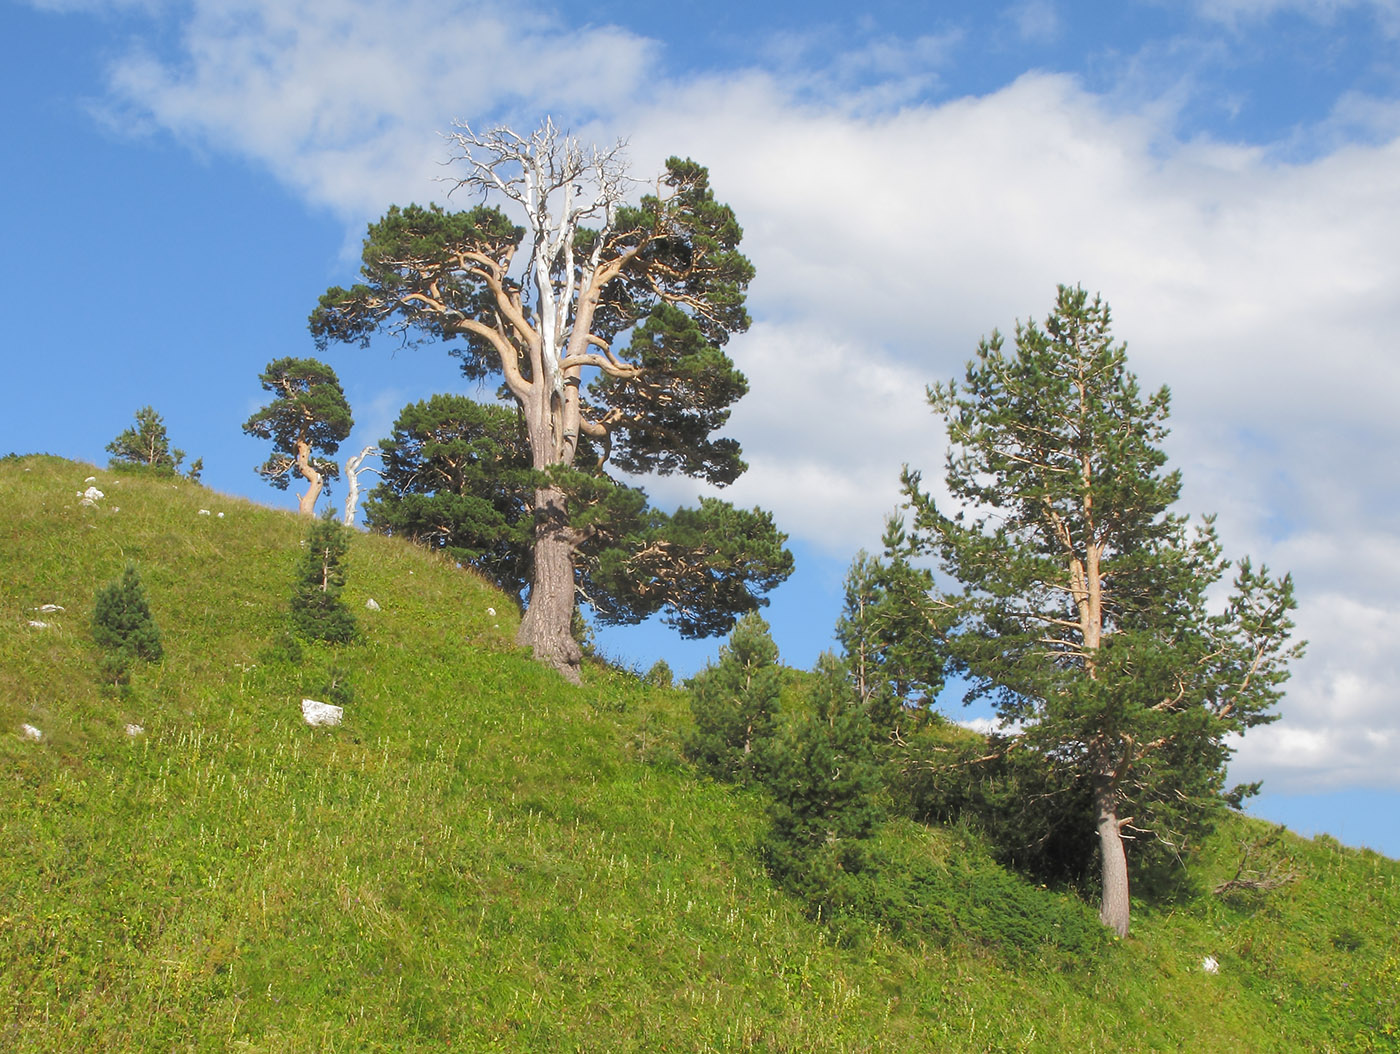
[485, 858]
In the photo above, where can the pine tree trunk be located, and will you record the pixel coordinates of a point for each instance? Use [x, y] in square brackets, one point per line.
[547, 625]
[1114, 908]
[306, 504]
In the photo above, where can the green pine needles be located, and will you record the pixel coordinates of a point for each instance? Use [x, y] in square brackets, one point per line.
[735, 705]
[318, 613]
[122, 625]
[147, 446]
[824, 780]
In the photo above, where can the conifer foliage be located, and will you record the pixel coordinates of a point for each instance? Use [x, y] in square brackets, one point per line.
[123, 625]
[1082, 610]
[824, 780]
[735, 704]
[890, 631]
[318, 613]
[307, 421]
[148, 445]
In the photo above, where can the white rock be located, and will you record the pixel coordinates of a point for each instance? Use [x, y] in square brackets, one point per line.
[321, 713]
[49, 609]
[36, 624]
[221, 515]
[30, 732]
[88, 502]
[204, 512]
[90, 479]
[1210, 965]
[372, 604]
[135, 730]
[491, 612]
[93, 493]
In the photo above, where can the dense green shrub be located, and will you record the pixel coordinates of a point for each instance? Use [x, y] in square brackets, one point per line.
[122, 625]
[824, 782]
[735, 704]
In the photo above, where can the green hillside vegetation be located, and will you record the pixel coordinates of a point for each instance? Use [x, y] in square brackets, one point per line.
[484, 857]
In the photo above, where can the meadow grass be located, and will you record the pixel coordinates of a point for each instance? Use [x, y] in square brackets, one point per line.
[483, 857]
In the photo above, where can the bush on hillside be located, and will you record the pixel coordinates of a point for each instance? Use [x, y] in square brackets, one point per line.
[735, 705]
[122, 625]
[824, 781]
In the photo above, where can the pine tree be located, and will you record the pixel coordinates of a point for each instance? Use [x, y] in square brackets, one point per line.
[891, 632]
[735, 704]
[122, 624]
[824, 781]
[1082, 610]
[148, 446]
[307, 418]
[318, 613]
[606, 321]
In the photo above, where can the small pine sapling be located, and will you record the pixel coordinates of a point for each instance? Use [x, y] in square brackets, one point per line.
[660, 675]
[122, 625]
[147, 445]
[318, 613]
[735, 704]
[825, 782]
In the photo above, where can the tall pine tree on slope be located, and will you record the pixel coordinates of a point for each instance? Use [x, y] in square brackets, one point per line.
[605, 320]
[307, 418]
[1082, 611]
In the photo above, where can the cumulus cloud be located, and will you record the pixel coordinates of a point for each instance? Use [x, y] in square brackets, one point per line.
[890, 234]
[342, 100]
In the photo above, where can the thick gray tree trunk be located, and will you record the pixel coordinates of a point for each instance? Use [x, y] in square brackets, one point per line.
[548, 622]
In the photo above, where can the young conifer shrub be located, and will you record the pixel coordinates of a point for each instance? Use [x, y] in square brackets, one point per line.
[660, 675]
[122, 624]
[318, 613]
[735, 704]
[824, 781]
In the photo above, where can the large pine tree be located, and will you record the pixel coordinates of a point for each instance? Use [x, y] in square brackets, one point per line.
[1083, 610]
[606, 321]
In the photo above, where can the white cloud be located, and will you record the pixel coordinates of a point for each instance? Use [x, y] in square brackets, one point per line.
[342, 100]
[889, 238]
[1234, 12]
[1037, 21]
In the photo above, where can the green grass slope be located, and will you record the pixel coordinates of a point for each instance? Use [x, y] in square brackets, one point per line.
[483, 857]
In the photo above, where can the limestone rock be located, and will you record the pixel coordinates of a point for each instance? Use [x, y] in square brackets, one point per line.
[135, 730]
[372, 604]
[321, 713]
[30, 732]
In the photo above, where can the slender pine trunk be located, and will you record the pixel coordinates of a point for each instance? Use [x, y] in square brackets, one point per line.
[548, 622]
[1114, 908]
[306, 504]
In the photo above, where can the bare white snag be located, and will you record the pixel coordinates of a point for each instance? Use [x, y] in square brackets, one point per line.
[353, 467]
[559, 185]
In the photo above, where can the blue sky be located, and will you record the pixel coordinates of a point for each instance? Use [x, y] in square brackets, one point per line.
[183, 178]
